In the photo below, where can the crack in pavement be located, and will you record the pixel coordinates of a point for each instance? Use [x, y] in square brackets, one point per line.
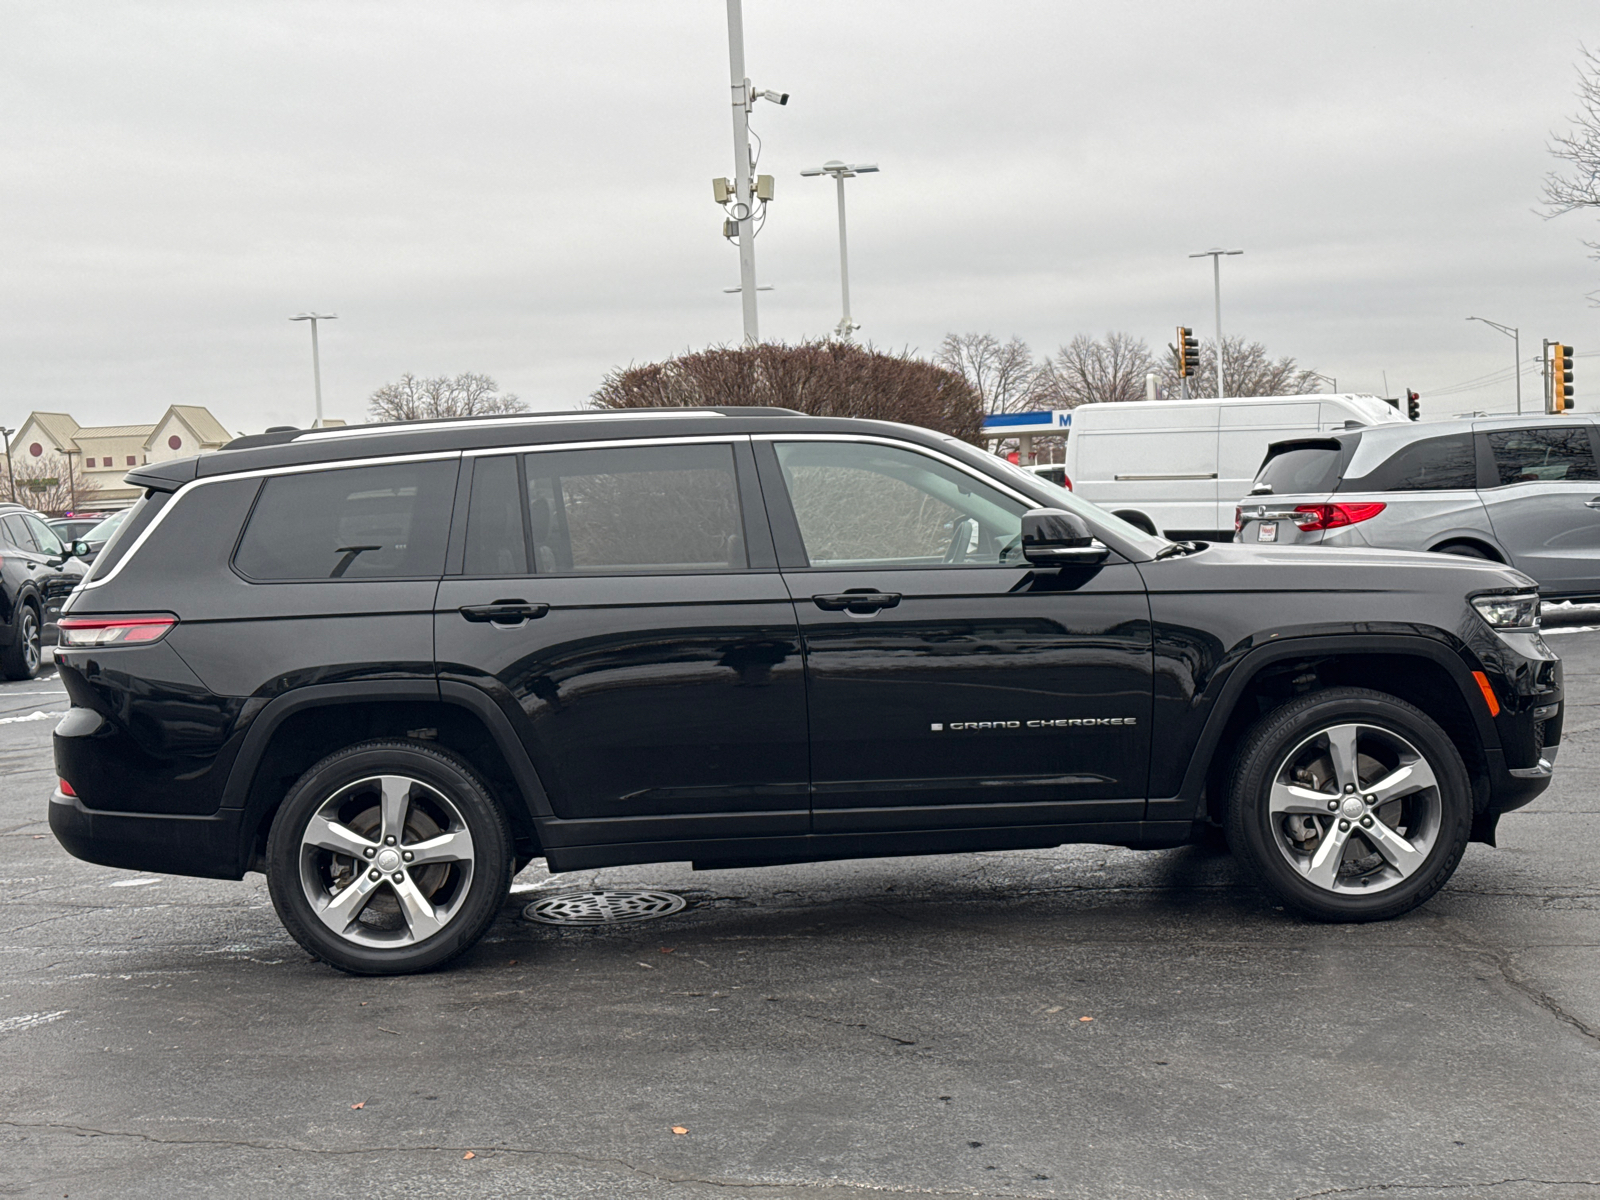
[1444, 1187]
[480, 1149]
[899, 1041]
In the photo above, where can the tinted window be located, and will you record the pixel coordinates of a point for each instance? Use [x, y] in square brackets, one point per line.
[1300, 468]
[636, 508]
[17, 533]
[353, 523]
[1534, 455]
[1433, 464]
[495, 545]
[43, 536]
[860, 504]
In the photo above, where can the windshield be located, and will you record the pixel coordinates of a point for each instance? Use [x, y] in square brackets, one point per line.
[106, 528]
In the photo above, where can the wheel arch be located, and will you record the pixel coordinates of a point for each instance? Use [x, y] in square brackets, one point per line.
[1427, 674]
[301, 727]
[1476, 541]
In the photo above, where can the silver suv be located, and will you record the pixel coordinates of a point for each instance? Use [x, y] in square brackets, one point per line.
[1518, 490]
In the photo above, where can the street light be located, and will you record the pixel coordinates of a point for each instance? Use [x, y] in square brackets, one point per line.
[840, 172]
[11, 476]
[1516, 346]
[1329, 379]
[1215, 254]
[316, 358]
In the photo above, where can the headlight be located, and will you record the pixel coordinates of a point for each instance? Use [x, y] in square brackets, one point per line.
[1509, 612]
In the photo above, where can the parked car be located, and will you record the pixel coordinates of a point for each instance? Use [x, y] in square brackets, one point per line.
[1518, 490]
[97, 535]
[387, 665]
[1180, 466]
[37, 573]
[75, 526]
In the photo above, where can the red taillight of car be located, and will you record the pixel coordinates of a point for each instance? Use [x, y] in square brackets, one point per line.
[1066, 482]
[1333, 516]
[1238, 517]
[66, 788]
[114, 631]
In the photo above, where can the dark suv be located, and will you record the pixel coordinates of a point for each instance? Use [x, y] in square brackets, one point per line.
[37, 573]
[388, 665]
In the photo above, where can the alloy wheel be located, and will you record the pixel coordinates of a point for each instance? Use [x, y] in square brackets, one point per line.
[386, 861]
[1355, 809]
[30, 640]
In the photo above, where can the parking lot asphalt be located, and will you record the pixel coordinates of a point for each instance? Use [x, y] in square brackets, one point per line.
[1082, 1022]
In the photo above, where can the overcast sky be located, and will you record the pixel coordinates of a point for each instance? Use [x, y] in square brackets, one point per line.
[523, 189]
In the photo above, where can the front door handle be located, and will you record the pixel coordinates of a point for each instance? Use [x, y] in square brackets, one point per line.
[1595, 503]
[504, 612]
[857, 602]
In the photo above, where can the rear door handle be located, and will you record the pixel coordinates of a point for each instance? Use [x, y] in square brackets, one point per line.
[504, 612]
[856, 602]
[1595, 503]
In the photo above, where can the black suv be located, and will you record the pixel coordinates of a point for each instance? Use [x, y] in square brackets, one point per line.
[37, 573]
[388, 665]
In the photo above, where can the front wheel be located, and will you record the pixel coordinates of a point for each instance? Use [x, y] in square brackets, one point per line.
[387, 858]
[1349, 805]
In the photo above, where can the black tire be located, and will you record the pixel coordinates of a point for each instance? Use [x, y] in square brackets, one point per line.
[21, 659]
[411, 915]
[1347, 870]
[1467, 550]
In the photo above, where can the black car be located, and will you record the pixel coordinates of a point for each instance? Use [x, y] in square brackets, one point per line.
[386, 665]
[37, 573]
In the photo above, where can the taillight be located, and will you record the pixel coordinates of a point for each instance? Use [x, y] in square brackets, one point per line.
[114, 631]
[1238, 517]
[1066, 481]
[66, 788]
[1333, 516]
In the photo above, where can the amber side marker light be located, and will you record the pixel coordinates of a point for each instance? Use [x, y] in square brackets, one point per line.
[114, 631]
[1488, 693]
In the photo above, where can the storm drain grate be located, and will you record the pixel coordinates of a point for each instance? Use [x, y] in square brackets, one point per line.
[603, 908]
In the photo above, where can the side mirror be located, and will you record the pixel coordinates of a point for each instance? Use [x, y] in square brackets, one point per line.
[79, 549]
[1052, 537]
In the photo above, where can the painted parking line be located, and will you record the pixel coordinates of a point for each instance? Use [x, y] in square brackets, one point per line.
[33, 716]
[1548, 632]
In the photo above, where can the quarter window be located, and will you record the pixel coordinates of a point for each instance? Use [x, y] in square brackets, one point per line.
[1543, 455]
[381, 522]
[860, 504]
[1431, 465]
[635, 508]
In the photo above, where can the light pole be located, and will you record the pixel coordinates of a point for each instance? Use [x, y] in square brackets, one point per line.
[1516, 346]
[1329, 379]
[840, 172]
[11, 477]
[1215, 254]
[316, 357]
[741, 203]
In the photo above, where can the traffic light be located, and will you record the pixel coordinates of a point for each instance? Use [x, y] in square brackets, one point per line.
[1413, 405]
[1188, 352]
[1560, 377]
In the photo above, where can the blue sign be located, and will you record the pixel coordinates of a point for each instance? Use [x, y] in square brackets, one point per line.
[1028, 422]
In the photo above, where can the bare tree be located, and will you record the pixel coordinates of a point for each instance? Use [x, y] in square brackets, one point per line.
[465, 395]
[1002, 373]
[1246, 370]
[1105, 370]
[825, 378]
[1577, 185]
[51, 485]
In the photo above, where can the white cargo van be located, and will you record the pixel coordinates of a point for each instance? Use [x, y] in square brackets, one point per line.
[1180, 466]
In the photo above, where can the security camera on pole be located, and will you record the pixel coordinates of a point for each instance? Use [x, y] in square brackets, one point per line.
[740, 196]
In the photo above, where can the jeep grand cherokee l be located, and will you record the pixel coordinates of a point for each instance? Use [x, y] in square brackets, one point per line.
[386, 665]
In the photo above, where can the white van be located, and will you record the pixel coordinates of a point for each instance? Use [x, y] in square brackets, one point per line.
[1180, 466]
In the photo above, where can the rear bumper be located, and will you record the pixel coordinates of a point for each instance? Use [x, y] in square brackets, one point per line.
[207, 846]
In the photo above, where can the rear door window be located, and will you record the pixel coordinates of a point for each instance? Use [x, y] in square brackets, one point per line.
[633, 509]
[1549, 454]
[1300, 469]
[1430, 465]
[495, 542]
[379, 522]
[17, 533]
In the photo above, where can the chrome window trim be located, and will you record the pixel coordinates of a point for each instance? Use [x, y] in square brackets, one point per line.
[184, 490]
[719, 439]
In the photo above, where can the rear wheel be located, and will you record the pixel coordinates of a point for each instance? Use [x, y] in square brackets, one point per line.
[387, 858]
[20, 660]
[1349, 805]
